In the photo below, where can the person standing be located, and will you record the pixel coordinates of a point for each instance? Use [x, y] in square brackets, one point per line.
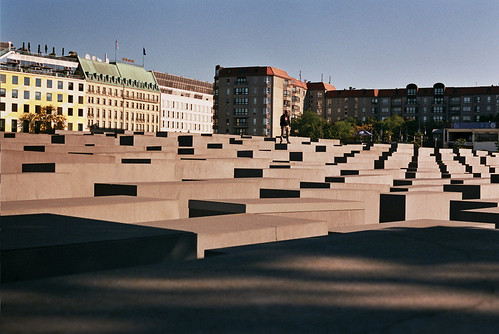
[285, 126]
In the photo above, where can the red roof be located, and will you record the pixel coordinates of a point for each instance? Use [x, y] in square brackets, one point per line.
[320, 86]
[260, 70]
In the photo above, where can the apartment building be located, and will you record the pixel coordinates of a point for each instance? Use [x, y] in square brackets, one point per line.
[186, 104]
[120, 96]
[315, 99]
[250, 100]
[437, 103]
[31, 81]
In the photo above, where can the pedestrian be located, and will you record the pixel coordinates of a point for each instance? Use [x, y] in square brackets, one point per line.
[285, 126]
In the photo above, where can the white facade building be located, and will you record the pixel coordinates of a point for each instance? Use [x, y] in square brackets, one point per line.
[186, 104]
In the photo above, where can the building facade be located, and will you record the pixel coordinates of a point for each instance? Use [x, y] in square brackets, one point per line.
[121, 96]
[30, 82]
[186, 104]
[315, 100]
[437, 103]
[250, 100]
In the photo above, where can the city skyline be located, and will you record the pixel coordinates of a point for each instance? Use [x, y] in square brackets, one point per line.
[384, 44]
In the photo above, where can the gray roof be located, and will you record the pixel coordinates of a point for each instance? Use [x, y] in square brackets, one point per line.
[118, 74]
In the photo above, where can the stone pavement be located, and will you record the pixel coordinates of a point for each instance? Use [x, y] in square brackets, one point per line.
[397, 280]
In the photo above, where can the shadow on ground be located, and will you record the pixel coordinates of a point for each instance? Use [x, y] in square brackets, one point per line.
[433, 280]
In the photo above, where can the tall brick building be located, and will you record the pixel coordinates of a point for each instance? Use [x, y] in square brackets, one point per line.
[250, 100]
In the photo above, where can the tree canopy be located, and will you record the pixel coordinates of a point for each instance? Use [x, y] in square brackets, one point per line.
[44, 121]
[393, 128]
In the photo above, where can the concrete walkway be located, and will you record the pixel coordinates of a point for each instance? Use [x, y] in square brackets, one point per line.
[397, 280]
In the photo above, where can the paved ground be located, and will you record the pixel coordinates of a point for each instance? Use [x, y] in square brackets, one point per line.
[431, 280]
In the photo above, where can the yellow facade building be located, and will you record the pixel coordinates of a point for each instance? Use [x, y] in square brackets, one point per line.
[29, 82]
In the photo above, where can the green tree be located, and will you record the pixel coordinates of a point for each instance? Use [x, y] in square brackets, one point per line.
[418, 139]
[309, 124]
[459, 143]
[392, 125]
[343, 130]
[47, 119]
[31, 119]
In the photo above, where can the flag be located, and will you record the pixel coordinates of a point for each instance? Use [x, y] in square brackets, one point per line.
[117, 47]
[144, 51]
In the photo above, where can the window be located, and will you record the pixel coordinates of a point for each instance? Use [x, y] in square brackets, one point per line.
[38, 96]
[2, 92]
[70, 126]
[70, 98]
[49, 96]
[374, 101]
[80, 99]
[14, 107]
[59, 85]
[2, 106]
[437, 110]
[241, 101]
[80, 87]
[15, 79]
[241, 81]
[80, 127]
[70, 111]
[3, 78]
[411, 110]
[80, 112]
[38, 109]
[26, 81]
[14, 93]
[49, 83]
[467, 99]
[38, 82]
[59, 110]
[26, 108]
[476, 99]
[241, 122]
[26, 94]
[240, 111]
[241, 91]
[59, 97]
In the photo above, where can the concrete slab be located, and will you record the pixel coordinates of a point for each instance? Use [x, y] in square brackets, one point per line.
[124, 209]
[243, 229]
[431, 280]
[42, 245]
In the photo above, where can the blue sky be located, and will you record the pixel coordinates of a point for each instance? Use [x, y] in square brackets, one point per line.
[362, 44]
